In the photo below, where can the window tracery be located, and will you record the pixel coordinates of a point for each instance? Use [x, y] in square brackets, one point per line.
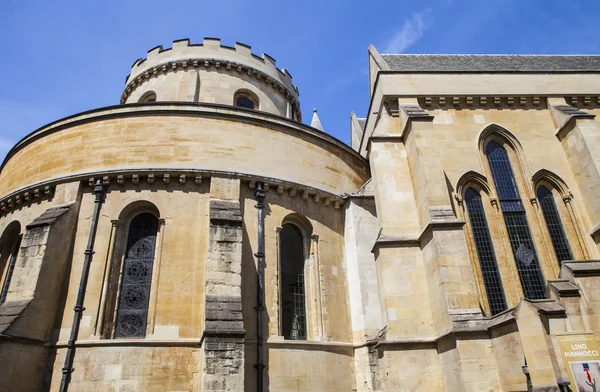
[513, 211]
[134, 297]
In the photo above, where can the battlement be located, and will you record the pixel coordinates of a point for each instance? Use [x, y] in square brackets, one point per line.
[210, 53]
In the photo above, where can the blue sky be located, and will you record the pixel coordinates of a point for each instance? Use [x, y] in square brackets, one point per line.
[62, 57]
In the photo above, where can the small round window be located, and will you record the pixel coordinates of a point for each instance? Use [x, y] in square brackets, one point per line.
[245, 99]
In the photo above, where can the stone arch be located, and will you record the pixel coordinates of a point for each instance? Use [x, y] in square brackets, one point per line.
[547, 178]
[305, 227]
[469, 179]
[148, 96]
[502, 136]
[135, 208]
[245, 94]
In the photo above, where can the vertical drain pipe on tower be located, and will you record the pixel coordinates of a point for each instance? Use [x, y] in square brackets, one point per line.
[259, 196]
[67, 369]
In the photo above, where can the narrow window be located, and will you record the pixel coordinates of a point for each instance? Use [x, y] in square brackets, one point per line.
[554, 225]
[485, 252]
[245, 99]
[14, 252]
[293, 303]
[134, 295]
[513, 210]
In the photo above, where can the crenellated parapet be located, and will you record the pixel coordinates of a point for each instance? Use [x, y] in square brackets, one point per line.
[211, 55]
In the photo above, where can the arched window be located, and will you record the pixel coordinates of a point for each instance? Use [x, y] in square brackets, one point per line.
[148, 96]
[517, 226]
[293, 299]
[485, 252]
[9, 250]
[134, 294]
[554, 224]
[245, 99]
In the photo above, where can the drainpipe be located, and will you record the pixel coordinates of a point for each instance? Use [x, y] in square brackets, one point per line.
[67, 369]
[259, 195]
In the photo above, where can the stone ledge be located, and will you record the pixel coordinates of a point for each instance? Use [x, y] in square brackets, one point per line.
[49, 216]
[579, 268]
[564, 288]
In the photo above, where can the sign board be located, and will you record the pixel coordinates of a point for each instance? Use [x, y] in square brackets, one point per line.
[582, 358]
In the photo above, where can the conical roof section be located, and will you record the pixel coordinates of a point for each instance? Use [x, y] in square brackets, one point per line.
[315, 122]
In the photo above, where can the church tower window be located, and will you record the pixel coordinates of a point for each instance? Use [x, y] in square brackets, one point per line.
[517, 226]
[485, 252]
[554, 224]
[245, 99]
[293, 300]
[134, 297]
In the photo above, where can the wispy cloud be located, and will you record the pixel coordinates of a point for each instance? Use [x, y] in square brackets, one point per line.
[410, 32]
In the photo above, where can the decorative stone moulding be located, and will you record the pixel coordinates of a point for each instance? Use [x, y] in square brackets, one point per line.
[500, 101]
[171, 179]
[305, 193]
[211, 54]
[583, 101]
[25, 197]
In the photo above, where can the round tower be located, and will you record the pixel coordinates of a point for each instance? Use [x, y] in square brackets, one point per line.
[213, 73]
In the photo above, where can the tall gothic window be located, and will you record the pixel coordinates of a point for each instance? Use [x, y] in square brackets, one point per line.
[134, 294]
[485, 252]
[293, 301]
[513, 210]
[554, 225]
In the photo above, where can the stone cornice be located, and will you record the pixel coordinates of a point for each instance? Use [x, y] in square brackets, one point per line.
[172, 178]
[208, 110]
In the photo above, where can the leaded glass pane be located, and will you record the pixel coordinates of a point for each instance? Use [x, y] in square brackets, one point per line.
[519, 234]
[554, 225]
[485, 252]
[134, 296]
[525, 255]
[293, 302]
[502, 172]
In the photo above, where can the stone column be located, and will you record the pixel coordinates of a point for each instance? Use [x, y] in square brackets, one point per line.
[444, 248]
[223, 343]
[450, 280]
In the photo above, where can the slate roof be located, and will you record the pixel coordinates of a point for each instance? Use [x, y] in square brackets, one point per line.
[491, 63]
[362, 122]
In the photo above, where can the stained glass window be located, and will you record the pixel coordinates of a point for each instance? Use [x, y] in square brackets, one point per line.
[485, 252]
[134, 296]
[513, 210]
[293, 301]
[554, 224]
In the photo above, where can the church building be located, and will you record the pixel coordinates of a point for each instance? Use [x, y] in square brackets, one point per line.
[198, 236]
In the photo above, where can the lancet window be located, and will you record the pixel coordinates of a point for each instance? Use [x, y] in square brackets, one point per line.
[554, 224]
[519, 234]
[485, 252]
[293, 298]
[134, 293]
